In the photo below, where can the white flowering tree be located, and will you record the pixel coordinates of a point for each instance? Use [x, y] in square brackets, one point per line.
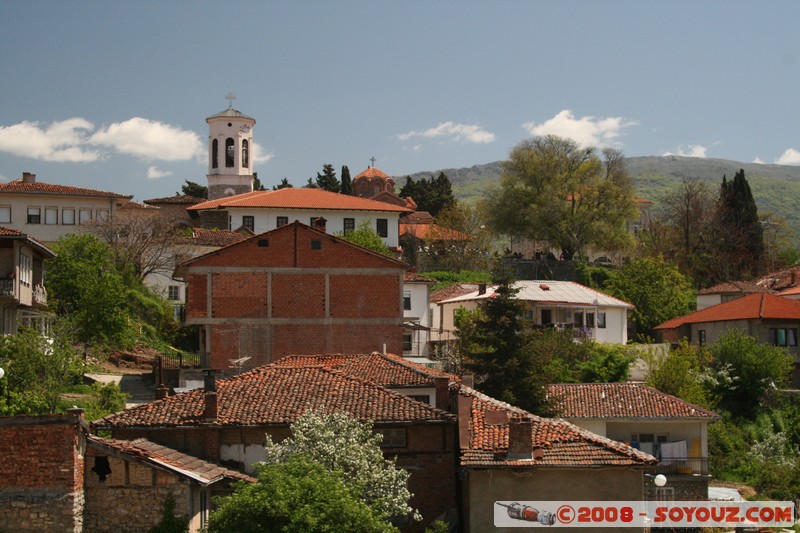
[343, 444]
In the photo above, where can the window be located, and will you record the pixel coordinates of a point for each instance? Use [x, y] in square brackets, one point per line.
[407, 301]
[249, 222]
[282, 221]
[578, 318]
[25, 269]
[783, 336]
[34, 215]
[102, 214]
[701, 336]
[5, 215]
[245, 157]
[316, 244]
[173, 292]
[382, 227]
[393, 438]
[68, 217]
[214, 153]
[229, 152]
[601, 319]
[349, 224]
[547, 316]
[84, 215]
[51, 215]
[408, 341]
[589, 323]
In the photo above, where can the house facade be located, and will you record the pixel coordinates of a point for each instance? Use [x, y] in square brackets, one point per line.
[586, 312]
[23, 297]
[47, 212]
[725, 292]
[293, 290]
[662, 425]
[226, 422]
[417, 320]
[262, 211]
[771, 319]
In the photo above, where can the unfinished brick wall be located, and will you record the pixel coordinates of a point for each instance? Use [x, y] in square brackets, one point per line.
[132, 496]
[41, 474]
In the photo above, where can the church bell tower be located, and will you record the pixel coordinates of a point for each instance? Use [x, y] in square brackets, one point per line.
[230, 146]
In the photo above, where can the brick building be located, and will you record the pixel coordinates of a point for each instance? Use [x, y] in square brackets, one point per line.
[292, 290]
[226, 422]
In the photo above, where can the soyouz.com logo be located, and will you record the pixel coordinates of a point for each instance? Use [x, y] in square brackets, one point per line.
[653, 514]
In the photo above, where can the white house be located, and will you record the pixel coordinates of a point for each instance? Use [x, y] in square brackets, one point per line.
[262, 211]
[589, 313]
[416, 314]
[47, 212]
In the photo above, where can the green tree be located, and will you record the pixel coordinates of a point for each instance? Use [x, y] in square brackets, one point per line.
[496, 347]
[656, 288]
[298, 495]
[257, 185]
[327, 180]
[347, 181]
[553, 189]
[351, 448]
[366, 236]
[431, 195]
[284, 184]
[311, 184]
[191, 188]
[746, 370]
[36, 370]
[683, 372]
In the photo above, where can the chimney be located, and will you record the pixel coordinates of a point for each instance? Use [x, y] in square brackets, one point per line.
[481, 288]
[321, 224]
[27, 177]
[520, 439]
[162, 392]
[442, 385]
[211, 402]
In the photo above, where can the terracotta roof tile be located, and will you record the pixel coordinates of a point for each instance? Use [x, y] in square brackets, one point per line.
[183, 464]
[372, 172]
[130, 204]
[215, 237]
[453, 291]
[16, 234]
[38, 187]
[563, 444]
[734, 287]
[620, 400]
[781, 279]
[278, 395]
[298, 198]
[413, 277]
[751, 306]
[433, 232]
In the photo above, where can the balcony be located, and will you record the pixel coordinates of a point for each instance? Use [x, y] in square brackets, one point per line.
[683, 465]
[8, 287]
[39, 295]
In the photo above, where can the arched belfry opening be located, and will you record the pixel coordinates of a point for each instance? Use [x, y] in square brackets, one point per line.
[230, 135]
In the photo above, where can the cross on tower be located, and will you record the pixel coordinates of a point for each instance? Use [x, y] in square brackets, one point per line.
[230, 97]
[373, 161]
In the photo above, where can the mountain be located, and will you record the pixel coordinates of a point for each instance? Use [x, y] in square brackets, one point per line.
[776, 188]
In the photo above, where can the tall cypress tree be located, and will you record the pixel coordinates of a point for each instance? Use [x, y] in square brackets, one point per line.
[347, 182]
[740, 242]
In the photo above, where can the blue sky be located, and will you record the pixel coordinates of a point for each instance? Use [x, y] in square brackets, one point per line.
[114, 95]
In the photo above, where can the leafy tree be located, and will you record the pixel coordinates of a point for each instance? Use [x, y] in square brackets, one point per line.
[284, 184]
[431, 195]
[191, 188]
[298, 495]
[347, 181]
[656, 288]
[562, 359]
[366, 236]
[36, 370]
[351, 448]
[496, 347]
[555, 190]
[107, 398]
[740, 240]
[746, 370]
[311, 184]
[257, 185]
[327, 180]
[683, 372]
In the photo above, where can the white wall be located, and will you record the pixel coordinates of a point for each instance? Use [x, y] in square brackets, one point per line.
[420, 314]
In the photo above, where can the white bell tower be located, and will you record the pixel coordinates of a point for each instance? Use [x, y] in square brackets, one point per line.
[230, 152]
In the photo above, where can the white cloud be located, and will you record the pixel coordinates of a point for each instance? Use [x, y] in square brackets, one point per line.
[150, 140]
[154, 173]
[259, 155]
[63, 141]
[758, 161]
[586, 131]
[470, 133]
[789, 157]
[691, 150]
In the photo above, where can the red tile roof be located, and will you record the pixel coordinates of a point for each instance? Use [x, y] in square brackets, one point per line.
[372, 172]
[158, 455]
[37, 187]
[563, 444]
[734, 287]
[178, 199]
[620, 400]
[453, 291]
[781, 279]
[279, 395]
[413, 277]
[13, 234]
[130, 204]
[433, 232]
[387, 370]
[752, 306]
[216, 237]
[298, 198]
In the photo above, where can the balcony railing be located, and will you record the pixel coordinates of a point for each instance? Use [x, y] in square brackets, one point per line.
[683, 465]
[40, 295]
[8, 287]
